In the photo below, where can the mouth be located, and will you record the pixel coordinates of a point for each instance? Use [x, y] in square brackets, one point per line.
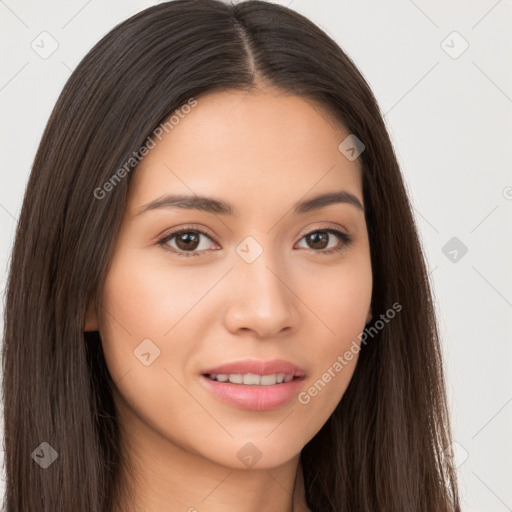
[252, 379]
[254, 385]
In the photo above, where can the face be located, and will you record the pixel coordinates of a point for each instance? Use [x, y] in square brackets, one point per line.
[264, 285]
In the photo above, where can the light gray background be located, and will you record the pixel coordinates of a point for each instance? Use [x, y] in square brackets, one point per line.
[449, 116]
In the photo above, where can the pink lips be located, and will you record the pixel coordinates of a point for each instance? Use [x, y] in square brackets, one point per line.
[259, 367]
[256, 398]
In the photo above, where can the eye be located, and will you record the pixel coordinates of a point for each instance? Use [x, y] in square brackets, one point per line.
[188, 241]
[320, 237]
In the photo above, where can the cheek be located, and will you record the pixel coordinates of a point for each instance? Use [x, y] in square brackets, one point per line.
[147, 345]
[143, 298]
[143, 309]
[340, 303]
[338, 296]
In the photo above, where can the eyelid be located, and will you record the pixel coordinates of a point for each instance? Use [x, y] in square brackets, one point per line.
[323, 225]
[337, 230]
[168, 235]
[186, 227]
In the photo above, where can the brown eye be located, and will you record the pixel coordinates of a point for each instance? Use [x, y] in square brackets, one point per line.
[319, 239]
[188, 242]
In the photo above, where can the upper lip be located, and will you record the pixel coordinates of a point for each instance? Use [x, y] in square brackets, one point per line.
[257, 367]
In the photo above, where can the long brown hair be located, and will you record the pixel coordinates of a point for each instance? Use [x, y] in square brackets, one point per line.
[382, 448]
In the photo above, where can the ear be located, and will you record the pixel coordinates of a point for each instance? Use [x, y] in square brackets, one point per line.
[91, 319]
[369, 316]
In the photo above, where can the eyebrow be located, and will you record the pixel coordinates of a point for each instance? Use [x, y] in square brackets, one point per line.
[221, 207]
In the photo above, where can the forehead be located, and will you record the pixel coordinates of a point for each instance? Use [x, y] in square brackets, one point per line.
[247, 147]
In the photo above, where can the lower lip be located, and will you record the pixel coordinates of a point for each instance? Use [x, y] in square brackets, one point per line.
[254, 398]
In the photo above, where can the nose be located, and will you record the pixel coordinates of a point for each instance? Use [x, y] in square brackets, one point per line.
[261, 299]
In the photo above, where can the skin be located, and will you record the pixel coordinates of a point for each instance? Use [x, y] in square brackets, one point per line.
[262, 152]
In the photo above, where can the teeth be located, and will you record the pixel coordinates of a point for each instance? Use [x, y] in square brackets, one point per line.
[252, 379]
[268, 380]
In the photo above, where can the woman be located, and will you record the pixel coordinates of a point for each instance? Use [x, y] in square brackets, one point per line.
[217, 296]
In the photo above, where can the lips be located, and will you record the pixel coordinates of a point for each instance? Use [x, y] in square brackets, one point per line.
[257, 367]
[238, 387]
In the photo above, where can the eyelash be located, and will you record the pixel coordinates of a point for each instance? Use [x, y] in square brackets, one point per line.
[346, 240]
